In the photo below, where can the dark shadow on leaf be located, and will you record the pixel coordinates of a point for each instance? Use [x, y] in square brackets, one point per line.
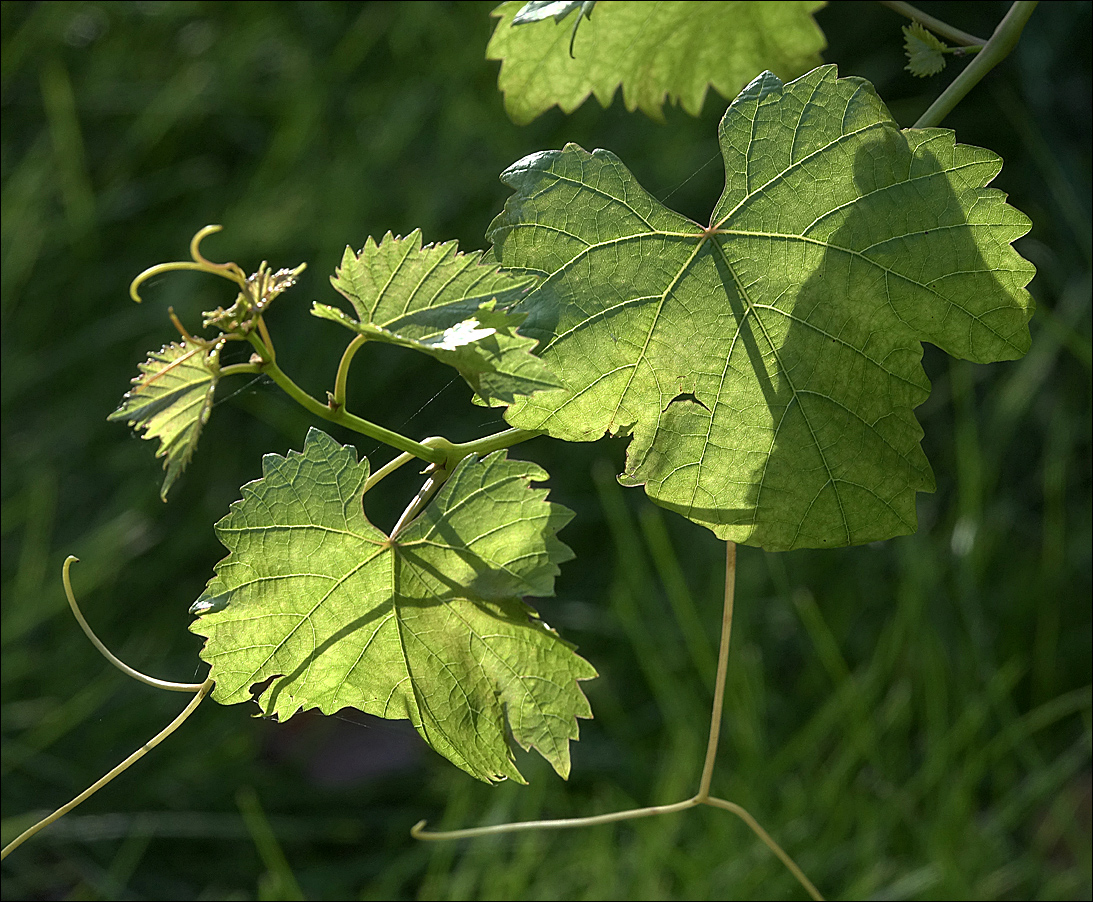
[847, 462]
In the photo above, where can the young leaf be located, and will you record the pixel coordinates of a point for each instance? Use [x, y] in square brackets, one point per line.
[768, 366]
[670, 51]
[171, 400]
[444, 304]
[323, 610]
[925, 51]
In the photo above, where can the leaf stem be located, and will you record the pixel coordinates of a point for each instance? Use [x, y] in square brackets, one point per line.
[722, 671]
[105, 652]
[495, 442]
[240, 369]
[935, 25]
[436, 479]
[1003, 41]
[338, 398]
[204, 690]
[387, 469]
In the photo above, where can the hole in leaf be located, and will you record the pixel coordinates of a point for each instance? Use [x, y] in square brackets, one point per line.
[686, 396]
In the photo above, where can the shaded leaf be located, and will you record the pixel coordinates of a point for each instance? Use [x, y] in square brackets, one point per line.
[444, 304]
[171, 400]
[768, 366]
[925, 51]
[427, 626]
[657, 52]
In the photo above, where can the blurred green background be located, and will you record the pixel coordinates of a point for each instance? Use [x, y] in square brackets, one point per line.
[910, 719]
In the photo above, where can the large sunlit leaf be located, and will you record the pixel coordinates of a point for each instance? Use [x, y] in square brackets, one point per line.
[767, 366]
[445, 304]
[171, 400]
[657, 51]
[317, 608]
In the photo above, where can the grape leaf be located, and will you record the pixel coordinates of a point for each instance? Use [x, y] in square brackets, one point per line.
[768, 366]
[925, 51]
[321, 609]
[537, 10]
[171, 400]
[659, 51]
[444, 304]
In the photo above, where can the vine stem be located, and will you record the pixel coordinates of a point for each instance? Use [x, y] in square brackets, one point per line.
[106, 652]
[200, 263]
[768, 840]
[200, 690]
[204, 690]
[1003, 41]
[178, 266]
[418, 831]
[434, 450]
[430, 453]
[935, 25]
[702, 797]
[722, 672]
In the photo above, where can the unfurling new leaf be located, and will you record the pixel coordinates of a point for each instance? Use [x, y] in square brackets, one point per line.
[767, 366]
[323, 610]
[925, 51]
[447, 305]
[171, 401]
